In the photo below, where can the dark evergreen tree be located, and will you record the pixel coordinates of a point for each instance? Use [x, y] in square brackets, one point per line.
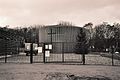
[82, 44]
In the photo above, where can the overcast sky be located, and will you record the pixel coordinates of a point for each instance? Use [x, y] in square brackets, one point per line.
[79, 12]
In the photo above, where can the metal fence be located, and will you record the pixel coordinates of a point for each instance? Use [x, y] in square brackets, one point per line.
[55, 52]
[10, 52]
[61, 52]
[64, 52]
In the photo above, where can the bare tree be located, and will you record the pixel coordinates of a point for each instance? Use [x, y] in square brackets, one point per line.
[106, 35]
[65, 23]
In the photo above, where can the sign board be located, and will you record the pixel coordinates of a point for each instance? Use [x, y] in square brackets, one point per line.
[39, 49]
[47, 53]
[49, 46]
[28, 47]
[35, 46]
[46, 47]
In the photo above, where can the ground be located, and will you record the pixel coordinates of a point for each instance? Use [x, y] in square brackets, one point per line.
[41, 71]
[97, 67]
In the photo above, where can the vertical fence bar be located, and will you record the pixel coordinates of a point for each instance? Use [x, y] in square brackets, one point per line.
[112, 52]
[31, 53]
[5, 51]
[62, 51]
[5, 57]
[17, 47]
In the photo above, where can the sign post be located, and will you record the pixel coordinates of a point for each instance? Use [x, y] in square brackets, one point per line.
[31, 53]
[46, 50]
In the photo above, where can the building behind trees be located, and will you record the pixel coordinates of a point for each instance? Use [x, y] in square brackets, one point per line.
[57, 34]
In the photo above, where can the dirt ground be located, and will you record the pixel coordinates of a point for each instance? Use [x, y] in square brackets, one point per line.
[40, 71]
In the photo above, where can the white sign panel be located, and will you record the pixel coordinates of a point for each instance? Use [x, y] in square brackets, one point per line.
[28, 47]
[46, 47]
[47, 53]
[50, 46]
[35, 46]
[39, 49]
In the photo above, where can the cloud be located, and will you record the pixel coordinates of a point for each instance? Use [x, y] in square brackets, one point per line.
[20, 12]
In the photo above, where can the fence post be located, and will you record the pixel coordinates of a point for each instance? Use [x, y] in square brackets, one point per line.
[44, 52]
[83, 59]
[112, 59]
[113, 50]
[62, 51]
[31, 53]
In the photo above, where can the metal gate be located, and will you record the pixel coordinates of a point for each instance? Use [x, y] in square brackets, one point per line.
[57, 52]
[64, 52]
